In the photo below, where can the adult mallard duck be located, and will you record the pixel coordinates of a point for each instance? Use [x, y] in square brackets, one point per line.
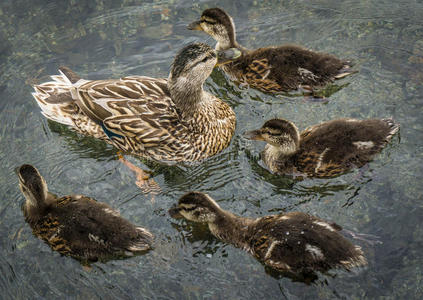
[323, 150]
[271, 69]
[170, 119]
[77, 225]
[295, 243]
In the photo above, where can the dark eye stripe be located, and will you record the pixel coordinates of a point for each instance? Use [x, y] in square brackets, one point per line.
[189, 209]
[202, 61]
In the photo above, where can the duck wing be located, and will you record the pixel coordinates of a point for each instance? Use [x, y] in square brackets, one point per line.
[92, 230]
[297, 242]
[333, 147]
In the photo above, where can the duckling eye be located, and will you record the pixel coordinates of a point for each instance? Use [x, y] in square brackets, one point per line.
[205, 59]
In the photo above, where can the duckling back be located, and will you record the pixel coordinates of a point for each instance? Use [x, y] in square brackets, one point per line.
[286, 68]
[334, 147]
[299, 243]
[78, 226]
[90, 230]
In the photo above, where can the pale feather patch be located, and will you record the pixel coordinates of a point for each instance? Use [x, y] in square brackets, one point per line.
[357, 260]
[325, 225]
[266, 74]
[315, 252]
[272, 246]
[361, 145]
[307, 73]
[112, 212]
[145, 231]
[96, 239]
[352, 120]
[320, 159]
[279, 265]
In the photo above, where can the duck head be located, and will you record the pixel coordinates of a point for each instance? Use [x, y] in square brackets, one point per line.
[33, 186]
[190, 69]
[278, 133]
[218, 24]
[196, 207]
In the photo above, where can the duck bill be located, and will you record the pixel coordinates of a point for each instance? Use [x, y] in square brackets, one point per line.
[227, 56]
[195, 26]
[254, 135]
[174, 213]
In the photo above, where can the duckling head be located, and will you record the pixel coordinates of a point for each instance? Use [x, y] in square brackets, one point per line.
[196, 207]
[33, 186]
[218, 24]
[279, 133]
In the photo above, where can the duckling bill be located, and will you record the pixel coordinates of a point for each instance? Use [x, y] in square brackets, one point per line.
[323, 150]
[294, 243]
[271, 69]
[76, 225]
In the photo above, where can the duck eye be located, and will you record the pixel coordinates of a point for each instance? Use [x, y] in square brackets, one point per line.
[205, 59]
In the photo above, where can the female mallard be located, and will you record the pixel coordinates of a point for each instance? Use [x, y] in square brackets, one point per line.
[295, 242]
[271, 69]
[170, 119]
[77, 225]
[323, 150]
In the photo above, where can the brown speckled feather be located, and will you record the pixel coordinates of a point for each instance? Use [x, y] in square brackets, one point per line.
[76, 225]
[284, 68]
[163, 119]
[83, 228]
[294, 242]
[271, 69]
[334, 147]
[327, 149]
[298, 242]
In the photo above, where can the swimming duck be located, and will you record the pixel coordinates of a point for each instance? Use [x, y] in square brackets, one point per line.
[324, 150]
[170, 119]
[77, 225]
[271, 69]
[294, 243]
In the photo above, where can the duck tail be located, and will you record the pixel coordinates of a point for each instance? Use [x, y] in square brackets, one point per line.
[55, 99]
[143, 242]
[356, 259]
[393, 128]
[346, 70]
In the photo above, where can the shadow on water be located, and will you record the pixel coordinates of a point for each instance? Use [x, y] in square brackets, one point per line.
[212, 173]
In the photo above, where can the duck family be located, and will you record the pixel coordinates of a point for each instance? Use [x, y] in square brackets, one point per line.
[175, 119]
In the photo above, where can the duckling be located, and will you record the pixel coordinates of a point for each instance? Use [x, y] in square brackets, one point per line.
[294, 243]
[76, 225]
[170, 119]
[324, 150]
[271, 69]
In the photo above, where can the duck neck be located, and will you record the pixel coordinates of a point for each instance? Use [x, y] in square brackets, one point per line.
[226, 43]
[227, 39]
[187, 97]
[231, 229]
[277, 157]
[33, 213]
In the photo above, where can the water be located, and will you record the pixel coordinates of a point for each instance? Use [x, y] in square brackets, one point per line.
[104, 39]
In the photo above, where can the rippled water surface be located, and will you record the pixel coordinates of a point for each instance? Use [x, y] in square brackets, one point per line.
[104, 39]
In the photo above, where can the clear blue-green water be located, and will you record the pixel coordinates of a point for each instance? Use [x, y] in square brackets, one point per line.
[104, 39]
